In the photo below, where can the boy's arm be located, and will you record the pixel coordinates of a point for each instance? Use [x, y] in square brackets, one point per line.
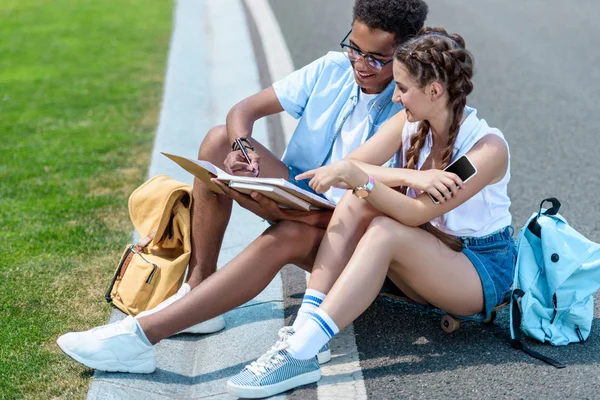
[289, 94]
[242, 116]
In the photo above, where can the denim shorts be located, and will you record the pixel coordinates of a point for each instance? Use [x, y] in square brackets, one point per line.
[303, 184]
[494, 257]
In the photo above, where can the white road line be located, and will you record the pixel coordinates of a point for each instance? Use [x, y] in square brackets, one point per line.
[342, 377]
[278, 58]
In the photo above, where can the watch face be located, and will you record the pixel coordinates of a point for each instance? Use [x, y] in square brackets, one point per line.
[361, 193]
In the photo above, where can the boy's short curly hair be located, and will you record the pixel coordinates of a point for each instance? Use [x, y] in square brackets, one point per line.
[403, 18]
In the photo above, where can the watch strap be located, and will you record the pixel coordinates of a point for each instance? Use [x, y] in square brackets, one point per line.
[368, 187]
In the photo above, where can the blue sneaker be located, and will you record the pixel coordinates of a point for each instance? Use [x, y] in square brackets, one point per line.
[274, 372]
[324, 355]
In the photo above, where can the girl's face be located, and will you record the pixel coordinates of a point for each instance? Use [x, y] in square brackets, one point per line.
[417, 103]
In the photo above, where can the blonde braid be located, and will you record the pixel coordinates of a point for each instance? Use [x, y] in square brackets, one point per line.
[458, 86]
[434, 55]
[417, 141]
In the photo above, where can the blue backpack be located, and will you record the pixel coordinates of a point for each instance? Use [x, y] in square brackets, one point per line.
[556, 276]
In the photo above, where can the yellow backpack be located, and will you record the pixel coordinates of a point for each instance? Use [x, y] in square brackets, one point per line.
[153, 269]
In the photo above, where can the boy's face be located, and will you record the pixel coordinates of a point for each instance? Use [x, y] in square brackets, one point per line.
[375, 43]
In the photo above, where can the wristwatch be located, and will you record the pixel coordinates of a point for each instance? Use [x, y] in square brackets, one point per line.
[362, 192]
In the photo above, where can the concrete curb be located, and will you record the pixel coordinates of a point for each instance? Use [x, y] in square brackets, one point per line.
[211, 66]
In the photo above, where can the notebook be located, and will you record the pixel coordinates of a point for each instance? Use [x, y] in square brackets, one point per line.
[280, 190]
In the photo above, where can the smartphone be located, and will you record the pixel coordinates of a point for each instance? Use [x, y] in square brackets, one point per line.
[463, 167]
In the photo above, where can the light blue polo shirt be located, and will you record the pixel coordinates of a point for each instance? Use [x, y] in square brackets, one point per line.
[322, 95]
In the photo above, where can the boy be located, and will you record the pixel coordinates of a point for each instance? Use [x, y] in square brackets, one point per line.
[341, 101]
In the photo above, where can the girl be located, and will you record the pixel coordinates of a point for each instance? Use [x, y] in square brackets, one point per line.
[457, 255]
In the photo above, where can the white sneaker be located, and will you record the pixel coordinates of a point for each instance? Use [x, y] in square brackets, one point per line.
[210, 326]
[324, 355]
[114, 347]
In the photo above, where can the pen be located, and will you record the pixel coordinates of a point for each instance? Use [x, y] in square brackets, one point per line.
[243, 150]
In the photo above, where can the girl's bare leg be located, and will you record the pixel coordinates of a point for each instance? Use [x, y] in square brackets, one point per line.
[351, 218]
[240, 280]
[436, 274]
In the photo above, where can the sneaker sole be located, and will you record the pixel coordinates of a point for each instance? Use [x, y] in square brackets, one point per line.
[210, 326]
[324, 357]
[271, 390]
[147, 367]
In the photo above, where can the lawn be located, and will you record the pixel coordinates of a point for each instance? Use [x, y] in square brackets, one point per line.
[80, 91]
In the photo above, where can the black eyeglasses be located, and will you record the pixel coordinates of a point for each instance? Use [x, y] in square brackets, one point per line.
[353, 54]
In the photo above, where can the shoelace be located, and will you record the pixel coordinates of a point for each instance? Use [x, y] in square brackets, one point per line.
[285, 333]
[268, 360]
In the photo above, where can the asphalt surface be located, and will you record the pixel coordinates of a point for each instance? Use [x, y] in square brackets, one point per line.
[537, 81]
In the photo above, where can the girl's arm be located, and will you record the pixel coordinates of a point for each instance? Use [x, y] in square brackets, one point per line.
[379, 149]
[490, 157]
[383, 145]
[391, 177]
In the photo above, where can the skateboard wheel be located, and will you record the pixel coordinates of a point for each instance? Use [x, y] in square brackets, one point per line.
[491, 319]
[449, 323]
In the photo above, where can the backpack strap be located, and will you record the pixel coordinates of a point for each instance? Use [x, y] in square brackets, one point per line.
[553, 210]
[534, 226]
[515, 331]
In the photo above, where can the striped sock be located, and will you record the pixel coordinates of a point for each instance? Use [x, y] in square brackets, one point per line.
[308, 340]
[311, 301]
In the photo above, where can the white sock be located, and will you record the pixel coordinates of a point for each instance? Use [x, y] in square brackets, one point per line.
[308, 340]
[140, 333]
[311, 301]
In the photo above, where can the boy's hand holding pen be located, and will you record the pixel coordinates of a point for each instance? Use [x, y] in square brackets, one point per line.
[250, 158]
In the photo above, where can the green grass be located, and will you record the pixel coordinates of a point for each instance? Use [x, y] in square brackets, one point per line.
[80, 88]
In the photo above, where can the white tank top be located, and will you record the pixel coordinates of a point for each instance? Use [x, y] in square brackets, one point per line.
[485, 212]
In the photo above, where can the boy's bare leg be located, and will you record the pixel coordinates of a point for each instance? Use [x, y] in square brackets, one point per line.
[211, 211]
[242, 279]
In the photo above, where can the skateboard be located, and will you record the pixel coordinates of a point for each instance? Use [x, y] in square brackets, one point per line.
[449, 323]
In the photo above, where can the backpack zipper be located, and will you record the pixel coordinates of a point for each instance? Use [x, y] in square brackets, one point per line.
[577, 330]
[154, 266]
[579, 335]
[554, 303]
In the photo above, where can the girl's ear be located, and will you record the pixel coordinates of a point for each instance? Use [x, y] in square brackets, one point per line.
[435, 90]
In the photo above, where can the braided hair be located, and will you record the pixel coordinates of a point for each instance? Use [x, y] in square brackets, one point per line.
[434, 55]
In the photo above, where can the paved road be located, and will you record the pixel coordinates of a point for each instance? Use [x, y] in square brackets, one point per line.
[537, 80]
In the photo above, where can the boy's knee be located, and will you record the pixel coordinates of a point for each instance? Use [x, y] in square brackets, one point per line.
[215, 142]
[293, 234]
